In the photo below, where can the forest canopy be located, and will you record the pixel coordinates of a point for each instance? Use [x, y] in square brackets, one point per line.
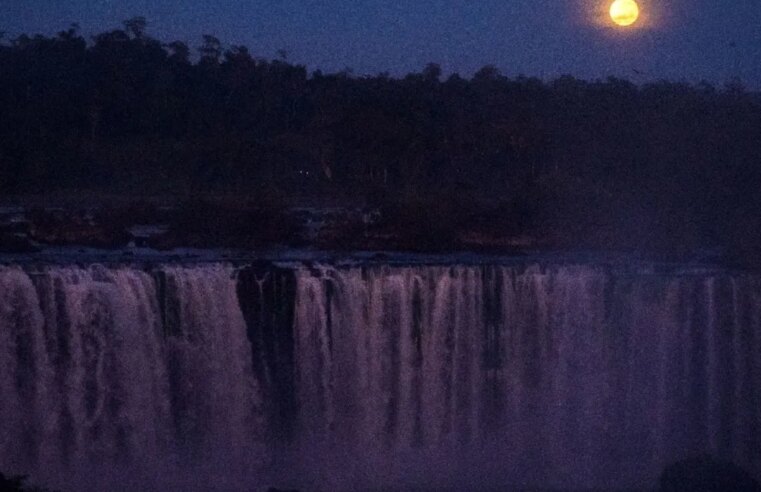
[122, 112]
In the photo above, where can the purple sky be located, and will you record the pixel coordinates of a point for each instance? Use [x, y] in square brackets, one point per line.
[678, 39]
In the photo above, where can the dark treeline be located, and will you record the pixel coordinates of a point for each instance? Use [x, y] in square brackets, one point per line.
[123, 112]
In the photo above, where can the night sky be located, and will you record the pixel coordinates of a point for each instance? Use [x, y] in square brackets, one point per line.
[687, 40]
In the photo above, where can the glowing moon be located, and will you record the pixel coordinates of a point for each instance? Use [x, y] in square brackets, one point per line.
[624, 12]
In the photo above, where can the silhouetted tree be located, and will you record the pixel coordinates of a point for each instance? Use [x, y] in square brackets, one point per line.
[125, 112]
[210, 50]
[179, 52]
[136, 27]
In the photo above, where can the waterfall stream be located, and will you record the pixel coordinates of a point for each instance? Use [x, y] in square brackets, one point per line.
[222, 377]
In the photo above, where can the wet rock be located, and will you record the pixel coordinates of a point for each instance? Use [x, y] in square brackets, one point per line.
[163, 242]
[16, 243]
[62, 228]
[15, 227]
[215, 224]
[706, 474]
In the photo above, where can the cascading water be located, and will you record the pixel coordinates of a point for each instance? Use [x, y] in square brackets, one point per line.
[103, 369]
[222, 377]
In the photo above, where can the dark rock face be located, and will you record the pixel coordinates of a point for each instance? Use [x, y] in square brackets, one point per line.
[14, 236]
[60, 228]
[266, 295]
[706, 474]
[16, 484]
[15, 243]
[211, 224]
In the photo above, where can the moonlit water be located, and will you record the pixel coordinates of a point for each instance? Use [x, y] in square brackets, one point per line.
[232, 378]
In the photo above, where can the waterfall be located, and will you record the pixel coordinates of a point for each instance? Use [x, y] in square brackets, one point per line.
[100, 372]
[223, 376]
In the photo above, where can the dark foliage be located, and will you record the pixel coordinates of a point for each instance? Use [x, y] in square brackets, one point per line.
[665, 167]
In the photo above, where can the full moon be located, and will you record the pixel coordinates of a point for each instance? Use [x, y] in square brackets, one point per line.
[624, 12]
